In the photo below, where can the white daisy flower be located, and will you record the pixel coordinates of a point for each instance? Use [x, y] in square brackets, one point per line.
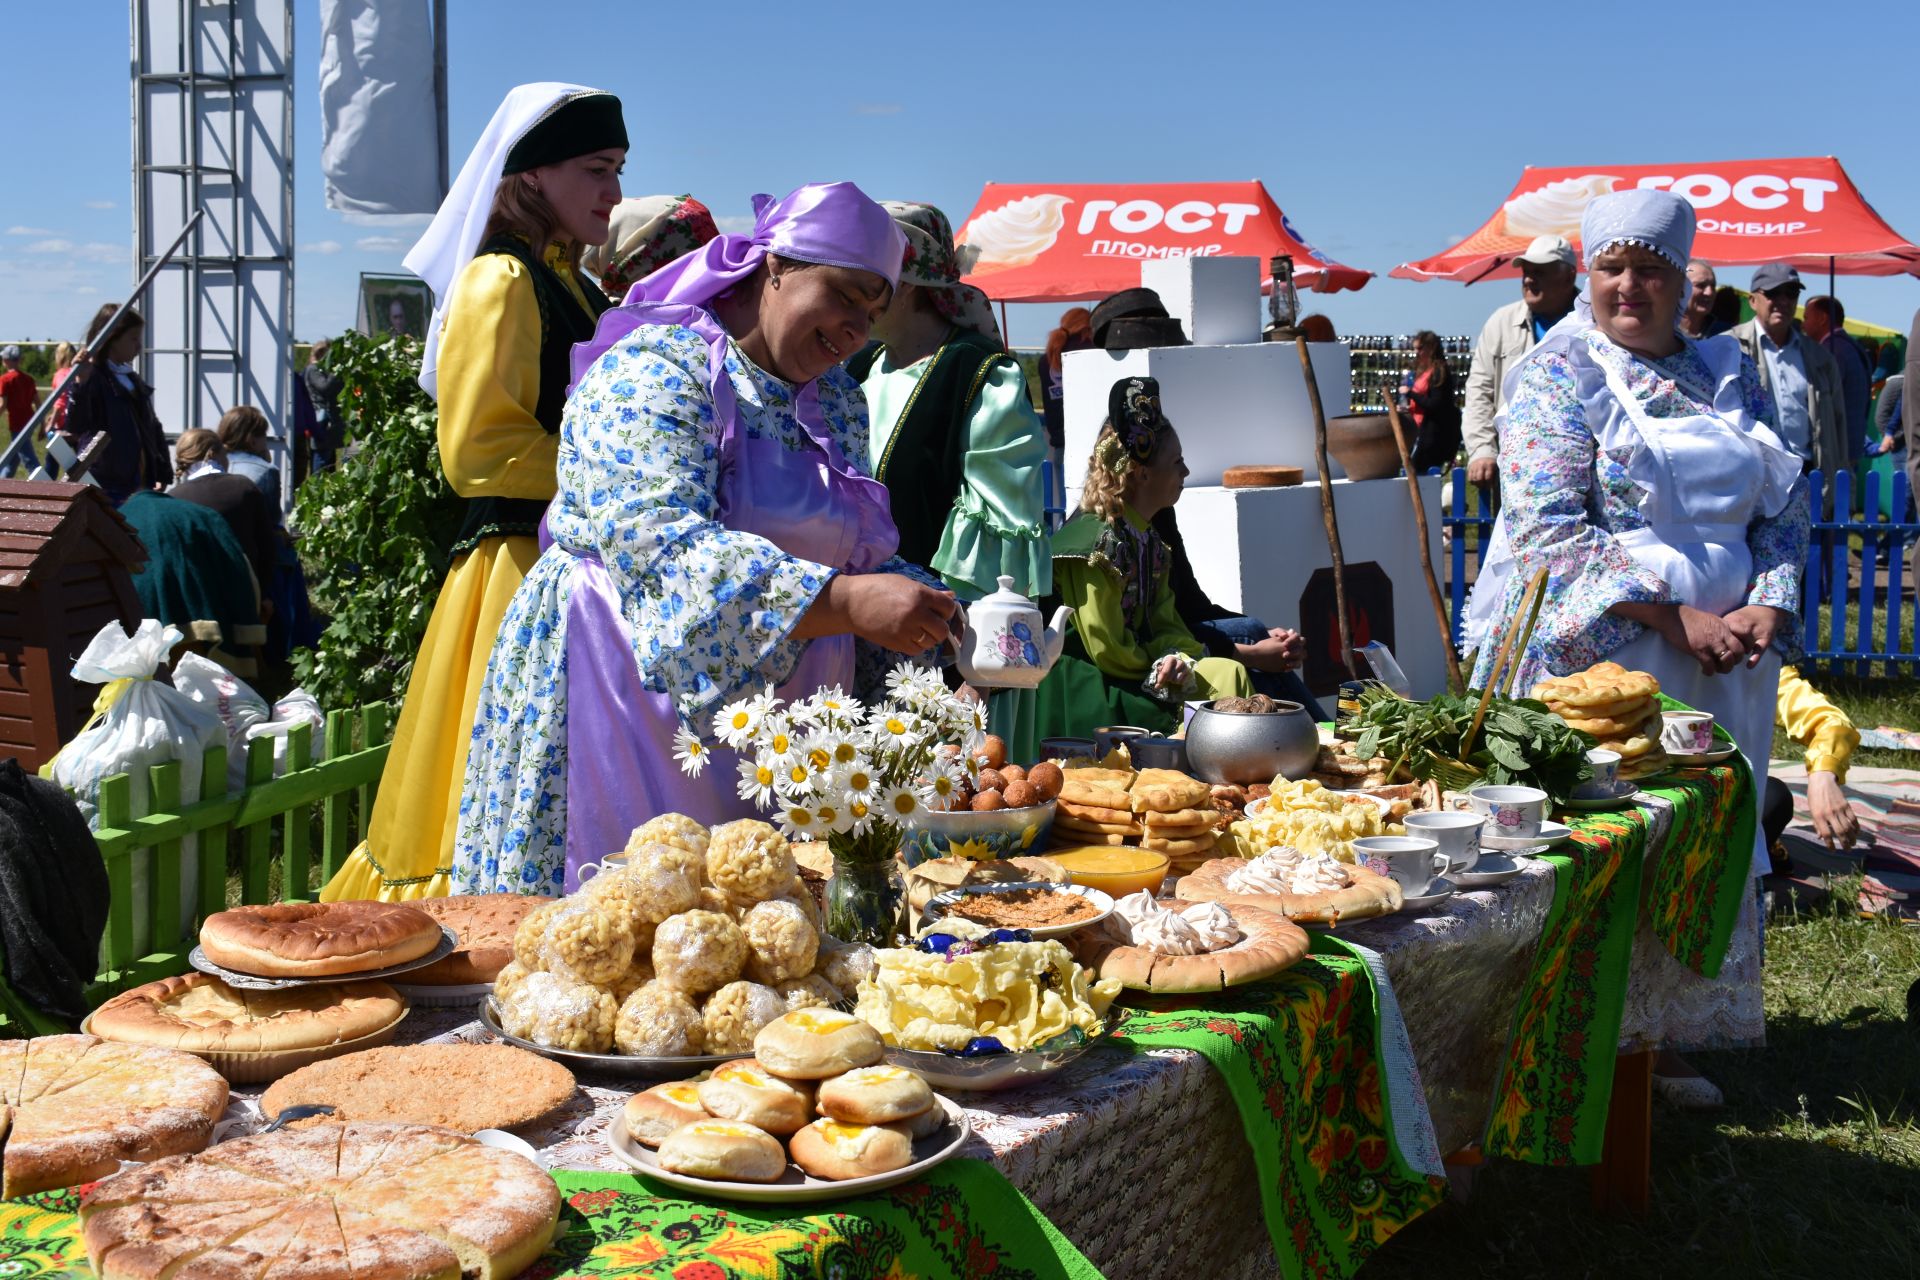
[899, 806]
[798, 822]
[690, 752]
[793, 780]
[855, 778]
[893, 726]
[831, 817]
[780, 739]
[860, 816]
[940, 788]
[739, 721]
[757, 778]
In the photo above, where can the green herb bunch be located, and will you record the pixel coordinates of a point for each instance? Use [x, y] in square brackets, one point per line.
[1520, 741]
[374, 530]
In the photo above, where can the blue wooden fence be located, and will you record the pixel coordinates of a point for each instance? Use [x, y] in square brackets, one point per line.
[1845, 557]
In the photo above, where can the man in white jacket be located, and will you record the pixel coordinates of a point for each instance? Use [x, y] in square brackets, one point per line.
[1547, 289]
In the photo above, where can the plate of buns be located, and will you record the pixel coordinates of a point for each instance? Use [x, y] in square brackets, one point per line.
[816, 1113]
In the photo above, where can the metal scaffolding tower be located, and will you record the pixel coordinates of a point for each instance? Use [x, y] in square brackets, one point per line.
[213, 129]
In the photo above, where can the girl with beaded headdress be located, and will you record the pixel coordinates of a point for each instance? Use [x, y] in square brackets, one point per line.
[1129, 658]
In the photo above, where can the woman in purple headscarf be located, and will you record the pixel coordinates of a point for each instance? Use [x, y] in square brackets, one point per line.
[715, 533]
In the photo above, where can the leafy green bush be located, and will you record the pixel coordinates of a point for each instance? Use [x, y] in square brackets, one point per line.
[374, 529]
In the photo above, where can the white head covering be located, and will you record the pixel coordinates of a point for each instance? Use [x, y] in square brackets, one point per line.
[1658, 221]
[450, 242]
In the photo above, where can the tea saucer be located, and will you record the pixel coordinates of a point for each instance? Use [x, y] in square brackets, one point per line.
[1695, 758]
[1438, 892]
[1551, 833]
[1490, 870]
[1622, 795]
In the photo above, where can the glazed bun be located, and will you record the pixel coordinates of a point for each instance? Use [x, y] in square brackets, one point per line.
[875, 1095]
[927, 1123]
[835, 1151]
[743, 1090]
[658, 1111]
[725, 1150]
[815, 1044]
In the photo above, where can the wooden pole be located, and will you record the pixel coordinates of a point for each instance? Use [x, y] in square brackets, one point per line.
[1326, 505]
[1455, 683]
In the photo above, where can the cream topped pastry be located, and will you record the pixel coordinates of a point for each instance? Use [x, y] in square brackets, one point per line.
[1140, 921]
[1317, 873]
[1271, 872]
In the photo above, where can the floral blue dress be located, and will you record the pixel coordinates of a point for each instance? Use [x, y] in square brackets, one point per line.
[688, 538]
[1572, 501]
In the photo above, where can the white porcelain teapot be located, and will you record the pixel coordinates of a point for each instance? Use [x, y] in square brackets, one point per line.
[1005, 645]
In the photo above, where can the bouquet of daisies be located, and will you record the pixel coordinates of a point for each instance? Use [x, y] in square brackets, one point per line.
[829, 767]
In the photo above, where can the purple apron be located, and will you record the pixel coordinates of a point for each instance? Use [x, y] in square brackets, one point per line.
[810, 503]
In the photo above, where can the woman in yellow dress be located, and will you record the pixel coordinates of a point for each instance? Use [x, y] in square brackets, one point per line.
[502, 257]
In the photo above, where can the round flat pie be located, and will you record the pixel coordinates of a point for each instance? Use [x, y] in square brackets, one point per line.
[317, 939]
[1369, 894]
[73, 1107]
[485, 924]
[357, 1201]
[201, 1014]
[468, 1087]
[1268, 944]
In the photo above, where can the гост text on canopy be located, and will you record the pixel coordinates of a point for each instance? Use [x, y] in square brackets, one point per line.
[1078, 242]
[1804, 211]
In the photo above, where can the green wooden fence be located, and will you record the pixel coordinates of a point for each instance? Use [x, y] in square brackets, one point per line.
[270, 821]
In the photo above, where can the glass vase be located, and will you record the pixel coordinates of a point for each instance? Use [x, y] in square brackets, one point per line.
[867, 899]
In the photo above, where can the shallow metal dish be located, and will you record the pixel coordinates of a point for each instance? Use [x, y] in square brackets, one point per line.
[942, 902]
[255, 982]
[618, 1064]
[1000, 1070]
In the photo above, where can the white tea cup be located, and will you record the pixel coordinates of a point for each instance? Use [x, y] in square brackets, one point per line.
[1606, 776]
[1687, 733]
[1457, 835]
[1510, 811]
[1409, 861]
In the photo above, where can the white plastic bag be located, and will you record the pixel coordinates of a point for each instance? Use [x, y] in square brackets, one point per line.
[150, 724]
[244, 713]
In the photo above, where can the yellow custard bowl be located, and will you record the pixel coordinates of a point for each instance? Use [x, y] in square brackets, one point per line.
[1114, 869]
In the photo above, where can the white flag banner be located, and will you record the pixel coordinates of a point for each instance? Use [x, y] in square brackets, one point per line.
[379, 121]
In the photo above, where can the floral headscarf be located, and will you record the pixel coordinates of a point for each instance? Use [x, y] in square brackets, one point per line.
[933, 263]
[647, 233]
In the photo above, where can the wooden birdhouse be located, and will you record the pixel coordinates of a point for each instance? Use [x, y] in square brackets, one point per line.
[67, 561]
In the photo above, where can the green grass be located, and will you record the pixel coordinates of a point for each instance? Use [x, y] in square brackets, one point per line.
[1812, 1169]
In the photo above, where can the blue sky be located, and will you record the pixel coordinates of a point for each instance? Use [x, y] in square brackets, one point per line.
[1384, 130]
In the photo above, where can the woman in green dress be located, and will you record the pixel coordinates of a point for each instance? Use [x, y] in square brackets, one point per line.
[1129, 657]
[956, 440]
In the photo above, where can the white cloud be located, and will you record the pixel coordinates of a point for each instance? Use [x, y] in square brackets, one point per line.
[101, 204]
[86, 290]
[382, 219]
[734, 224]
[380, 244]
[50, 246]
[877, 109]
[102, 251]
[321, 246]
[32, 231]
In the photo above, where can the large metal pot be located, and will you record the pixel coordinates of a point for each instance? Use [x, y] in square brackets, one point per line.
[1251, 746]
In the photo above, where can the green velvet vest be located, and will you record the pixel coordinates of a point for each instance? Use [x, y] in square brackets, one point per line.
[921, 466]
[562, 323]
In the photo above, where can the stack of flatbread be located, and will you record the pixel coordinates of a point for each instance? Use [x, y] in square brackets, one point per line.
[1159, 809]
[1620, 708]
[1337, 768]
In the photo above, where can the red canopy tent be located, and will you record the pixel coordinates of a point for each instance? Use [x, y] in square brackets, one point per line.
[1806, 212]
[1081, 241]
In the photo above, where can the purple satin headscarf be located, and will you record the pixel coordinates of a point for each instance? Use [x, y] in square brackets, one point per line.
[833, 224]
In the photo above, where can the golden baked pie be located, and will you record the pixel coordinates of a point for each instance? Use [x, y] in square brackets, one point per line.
[1365, 895]
[484, 923]
[1243, 944]
[317, 939]
[199, 1013]
[73, 1107]
[356, 1201]
[467, 1087]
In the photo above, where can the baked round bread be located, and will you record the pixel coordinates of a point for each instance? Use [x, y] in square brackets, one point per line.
[815, 1044]
[1268, 944]
[744, 1090]
[199, 1013]
[364, 1201]
[875, 1095]
[73, 1107]
[835, 1151]
[927, 1123]
[317, 939]
[1370, 894]
[484, 924]
[724, 1150]
[467, 1087]
[654, 1113]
